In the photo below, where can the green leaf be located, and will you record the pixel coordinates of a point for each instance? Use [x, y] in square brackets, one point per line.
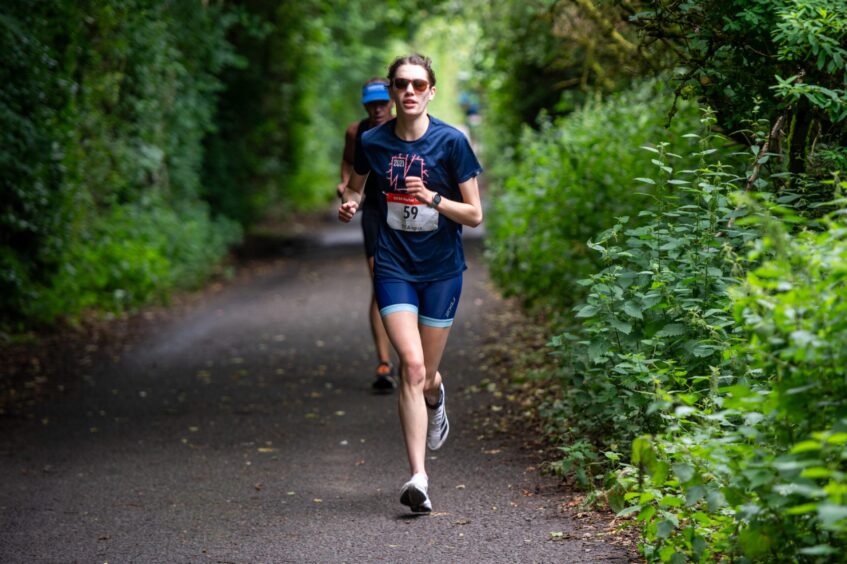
[816, 472]
[802, 509]
[671, 501]
[671, 330]
[588, 310]
[664, 528]
[646, 180]
[820, 550]
[830, 514]
[837, 439]
[694, 494]
[621, 326]
[629, 510]
[683, 471]
[646, 514]
[806, 446]
[632, 310]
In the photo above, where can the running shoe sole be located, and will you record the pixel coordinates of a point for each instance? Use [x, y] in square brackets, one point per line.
[415, 499]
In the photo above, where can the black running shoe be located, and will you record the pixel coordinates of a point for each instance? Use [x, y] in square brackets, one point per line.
[385, 382]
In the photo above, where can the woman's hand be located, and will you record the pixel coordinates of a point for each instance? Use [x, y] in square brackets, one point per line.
[415, 187]
[347, 210]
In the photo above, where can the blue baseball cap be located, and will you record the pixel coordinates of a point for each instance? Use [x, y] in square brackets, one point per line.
[375, 92]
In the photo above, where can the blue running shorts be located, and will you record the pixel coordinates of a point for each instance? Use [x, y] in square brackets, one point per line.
[434, 302]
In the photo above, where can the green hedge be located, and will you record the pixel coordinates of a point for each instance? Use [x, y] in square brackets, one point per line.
[103, 111]
[567, 182]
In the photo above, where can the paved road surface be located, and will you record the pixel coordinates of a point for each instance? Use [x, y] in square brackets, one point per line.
[245, 431]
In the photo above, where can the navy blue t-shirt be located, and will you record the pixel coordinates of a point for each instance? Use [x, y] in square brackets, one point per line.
[444, 159]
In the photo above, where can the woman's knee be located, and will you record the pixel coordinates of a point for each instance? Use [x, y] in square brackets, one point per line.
[414, 372]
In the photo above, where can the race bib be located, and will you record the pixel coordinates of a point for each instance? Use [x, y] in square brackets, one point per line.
[407, 213]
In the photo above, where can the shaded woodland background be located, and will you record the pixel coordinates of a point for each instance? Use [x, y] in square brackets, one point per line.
[666, 188]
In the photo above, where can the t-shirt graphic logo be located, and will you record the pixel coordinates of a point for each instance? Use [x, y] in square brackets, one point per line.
[402, 166]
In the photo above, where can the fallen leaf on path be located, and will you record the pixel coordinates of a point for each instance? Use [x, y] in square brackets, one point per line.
[492, 451]
[194, 429]
[258, 487]
[289, 493]
[318, 500]
[266, 449]
[438, 514]
[340, 413]
[462, 522]
[460, 487]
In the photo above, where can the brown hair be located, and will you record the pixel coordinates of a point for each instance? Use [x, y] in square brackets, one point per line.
[415, 59]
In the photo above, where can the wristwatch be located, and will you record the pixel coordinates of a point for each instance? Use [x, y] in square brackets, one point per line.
[435, 200]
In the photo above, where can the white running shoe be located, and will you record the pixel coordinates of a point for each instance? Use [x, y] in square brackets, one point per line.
[413, 494]
[438, 427]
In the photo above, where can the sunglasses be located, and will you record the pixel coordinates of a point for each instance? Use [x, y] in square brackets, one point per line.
[419, 84]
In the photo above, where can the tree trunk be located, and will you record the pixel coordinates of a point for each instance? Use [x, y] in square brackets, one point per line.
[798, 137]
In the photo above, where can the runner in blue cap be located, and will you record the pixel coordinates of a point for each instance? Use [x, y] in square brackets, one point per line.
[377, 104]
[426, 173]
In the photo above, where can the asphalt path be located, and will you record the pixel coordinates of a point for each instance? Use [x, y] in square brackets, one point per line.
[245, 430]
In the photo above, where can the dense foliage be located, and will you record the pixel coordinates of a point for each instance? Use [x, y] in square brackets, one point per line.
[699, 380]
[768, 58]
[141, 136]
[755, 466]
[104, 108]
[567, 182]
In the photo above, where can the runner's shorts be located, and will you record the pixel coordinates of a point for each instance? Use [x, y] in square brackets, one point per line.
[435, 303]
[370, 229]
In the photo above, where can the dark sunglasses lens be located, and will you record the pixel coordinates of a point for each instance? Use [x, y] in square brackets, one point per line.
[418, 84]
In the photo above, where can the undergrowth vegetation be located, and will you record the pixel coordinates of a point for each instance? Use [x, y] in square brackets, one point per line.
[692, 279]
[701, 374]
[569, 179]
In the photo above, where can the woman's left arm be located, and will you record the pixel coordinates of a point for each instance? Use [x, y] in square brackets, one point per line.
[468, 212]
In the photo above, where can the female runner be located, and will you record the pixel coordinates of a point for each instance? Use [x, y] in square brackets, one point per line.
[427, 175]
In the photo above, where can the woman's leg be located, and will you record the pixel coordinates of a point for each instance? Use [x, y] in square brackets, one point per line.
[402, 328]
[377, 328]
[433, 342]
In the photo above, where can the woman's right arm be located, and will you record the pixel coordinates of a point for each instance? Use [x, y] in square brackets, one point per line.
[351, 197]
